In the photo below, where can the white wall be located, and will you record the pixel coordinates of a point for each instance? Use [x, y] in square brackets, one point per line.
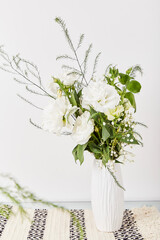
[128, 32]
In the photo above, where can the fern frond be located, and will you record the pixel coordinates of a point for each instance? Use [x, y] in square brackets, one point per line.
[34, 124]
[80, 40]
[24, 99]
[86, 58]
[95, 64]
[65, 57]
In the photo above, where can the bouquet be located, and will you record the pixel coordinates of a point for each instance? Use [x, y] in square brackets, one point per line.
[96, 113]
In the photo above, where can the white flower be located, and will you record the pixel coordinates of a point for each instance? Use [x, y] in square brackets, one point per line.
[58, 115]
[115, 112]
[100, 96]
[83, 128]
[67, 79]
[54, 87]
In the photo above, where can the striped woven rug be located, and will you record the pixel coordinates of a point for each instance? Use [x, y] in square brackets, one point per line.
[55, 224]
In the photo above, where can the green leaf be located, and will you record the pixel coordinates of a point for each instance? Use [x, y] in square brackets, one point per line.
[94, 148]
[105, 155]
[142, 124]
[116, 161]
[129, 71]
[73, 98]
[134, 86]
[79, 94]
[124, 78]
[131, 98]
[74, 152]
[105, 133]
[80, 152]
[94, 116]
[110, 129]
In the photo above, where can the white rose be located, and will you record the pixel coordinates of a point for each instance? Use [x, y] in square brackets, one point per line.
[100, 96]
[58, 115]
[115, 112]
[83, 128]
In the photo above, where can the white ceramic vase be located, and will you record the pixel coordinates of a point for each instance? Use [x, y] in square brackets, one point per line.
[107, 198]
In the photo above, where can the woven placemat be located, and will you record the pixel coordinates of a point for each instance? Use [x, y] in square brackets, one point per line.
[55, 224]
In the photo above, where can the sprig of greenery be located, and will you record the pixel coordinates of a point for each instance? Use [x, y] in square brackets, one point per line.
[23, 68]
[119, 185]
[67, 36]
[86, 58]
[27, 101]
[18, 194]
[95, 65]
[80, 41]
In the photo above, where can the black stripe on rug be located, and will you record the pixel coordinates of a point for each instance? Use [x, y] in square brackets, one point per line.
[38, 225]
[129, 229]
[74, 229]
[3, 220]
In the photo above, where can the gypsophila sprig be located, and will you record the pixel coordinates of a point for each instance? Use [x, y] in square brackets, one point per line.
[98, 113]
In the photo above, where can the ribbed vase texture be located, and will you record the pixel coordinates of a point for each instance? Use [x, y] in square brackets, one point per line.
[107, 198]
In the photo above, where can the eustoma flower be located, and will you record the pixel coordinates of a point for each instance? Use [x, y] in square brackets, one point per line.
[83, 128]
[115, 112]
[57, 115]
[100, 96]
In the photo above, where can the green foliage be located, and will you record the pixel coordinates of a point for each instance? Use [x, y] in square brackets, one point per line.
[86, 58]
[80, 41]
[135, 69]
[131, 98]
[78, 152]
[106, 155]
[93, 147]
[134, 86]
[18, 194]
[34, 124]
[124, 78]
[105, 133]
[5, 211]
[65, 57]
[73, 98]
[24, 99]
[95, 65]
[115, 179]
